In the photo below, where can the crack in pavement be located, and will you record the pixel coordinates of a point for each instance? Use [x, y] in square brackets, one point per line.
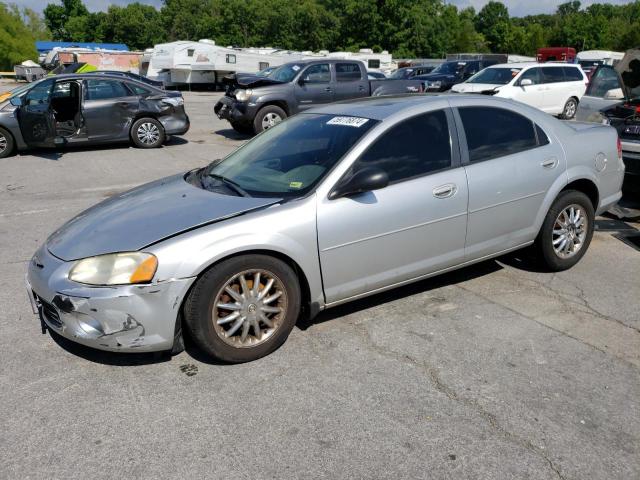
[443, 388]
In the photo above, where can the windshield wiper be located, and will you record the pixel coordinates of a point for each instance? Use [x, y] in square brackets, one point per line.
[230, 183]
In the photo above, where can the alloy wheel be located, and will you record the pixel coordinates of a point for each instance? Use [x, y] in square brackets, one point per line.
[148, 133]
[249, 308]
[570, 109]
[270, 120]
[3, 143]
[569, 231]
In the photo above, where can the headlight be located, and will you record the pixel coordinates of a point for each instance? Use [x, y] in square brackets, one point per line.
[243, 95]
[175, 101]
[115, 269]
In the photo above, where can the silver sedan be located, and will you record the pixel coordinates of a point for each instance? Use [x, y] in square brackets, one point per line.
[334, 204]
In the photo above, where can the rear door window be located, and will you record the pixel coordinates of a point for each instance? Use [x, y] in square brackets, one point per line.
[414, 147]
[603, 80]
[347, 72]
[572, 74]
[495, 132]
[105, 89]
[553, 74]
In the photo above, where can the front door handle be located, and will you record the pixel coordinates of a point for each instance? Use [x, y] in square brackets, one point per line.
[361, 88]
[445, 191]
[328, 89]
[550, 163]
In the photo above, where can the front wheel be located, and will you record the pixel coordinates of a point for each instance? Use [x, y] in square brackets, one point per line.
[243, 308]
[570, 109]
[147, 133]
[6, 143]
[566, 231]
[268, 117]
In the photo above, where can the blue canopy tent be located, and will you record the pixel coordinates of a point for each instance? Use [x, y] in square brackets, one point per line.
[46, 46]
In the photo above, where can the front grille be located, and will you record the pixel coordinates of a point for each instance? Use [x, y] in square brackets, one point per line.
[50, 313]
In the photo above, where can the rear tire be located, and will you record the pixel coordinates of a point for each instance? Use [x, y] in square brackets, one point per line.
[147, 133]
[566, 231]
[262, 309]
[570, 109]
[6, 143]
[268, 117]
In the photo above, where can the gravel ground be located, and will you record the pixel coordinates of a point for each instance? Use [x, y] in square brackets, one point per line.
[494, 371]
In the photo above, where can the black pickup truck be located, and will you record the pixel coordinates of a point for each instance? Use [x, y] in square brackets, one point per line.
[253, 104]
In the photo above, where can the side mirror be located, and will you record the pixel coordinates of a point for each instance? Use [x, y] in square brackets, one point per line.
[526, 82]
[365, 180]
[16, 101]
[614, 94]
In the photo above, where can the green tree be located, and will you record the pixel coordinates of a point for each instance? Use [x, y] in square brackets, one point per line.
[56, 17]
[16, 39]
[494, 23]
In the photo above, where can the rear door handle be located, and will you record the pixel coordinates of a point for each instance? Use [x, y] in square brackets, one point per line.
[361, 88]
[550, 163]
[328, 89]
[445, 191]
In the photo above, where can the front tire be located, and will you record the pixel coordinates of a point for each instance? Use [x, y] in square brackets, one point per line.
[147, 133]
[268, 117]
[6, 143]
[243, 308]
[566, 231]
[570, 109]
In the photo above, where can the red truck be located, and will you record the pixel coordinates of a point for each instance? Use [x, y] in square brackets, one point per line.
[556, 54]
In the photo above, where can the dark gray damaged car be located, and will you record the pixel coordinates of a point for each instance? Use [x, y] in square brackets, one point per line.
[89, 109]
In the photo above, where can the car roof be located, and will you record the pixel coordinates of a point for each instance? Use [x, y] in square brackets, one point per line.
[532, 64]
[376, 108]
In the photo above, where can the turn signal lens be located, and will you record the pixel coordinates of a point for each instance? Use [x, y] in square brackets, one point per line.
[146, 271]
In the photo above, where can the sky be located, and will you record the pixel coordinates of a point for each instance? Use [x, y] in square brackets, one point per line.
[517, 8]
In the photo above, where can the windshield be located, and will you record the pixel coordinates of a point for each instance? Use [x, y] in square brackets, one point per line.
[495, 76]
[285, 73]
[15, 92]
[401, 73]
[449, 68]
[289, 159]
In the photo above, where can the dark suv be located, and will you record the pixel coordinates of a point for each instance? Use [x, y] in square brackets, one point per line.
[448, 74]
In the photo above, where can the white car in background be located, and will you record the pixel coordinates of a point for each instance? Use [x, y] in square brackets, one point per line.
[554, 88]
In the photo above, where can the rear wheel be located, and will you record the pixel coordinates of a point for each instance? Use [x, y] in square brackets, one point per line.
[567, 231]
[147, 133]
[268, 117]
[6, 143]
[570, 109]
[243, 308]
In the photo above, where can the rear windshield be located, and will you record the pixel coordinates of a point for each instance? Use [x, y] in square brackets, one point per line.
[495, 76]
[289, 159]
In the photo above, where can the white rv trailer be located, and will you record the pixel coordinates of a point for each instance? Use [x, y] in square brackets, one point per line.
[382, 61]
[186, 62]
[601, 57]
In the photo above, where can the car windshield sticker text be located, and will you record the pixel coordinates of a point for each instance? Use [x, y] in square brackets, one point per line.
[348, 121]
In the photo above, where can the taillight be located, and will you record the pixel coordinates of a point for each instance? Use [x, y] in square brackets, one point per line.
[619, 149]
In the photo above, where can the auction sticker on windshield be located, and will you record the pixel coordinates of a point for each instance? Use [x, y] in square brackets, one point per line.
[348, 121]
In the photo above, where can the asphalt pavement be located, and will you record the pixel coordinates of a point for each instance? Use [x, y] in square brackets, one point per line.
[495, 371]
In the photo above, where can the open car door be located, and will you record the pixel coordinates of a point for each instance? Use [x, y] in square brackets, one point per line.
[36, 117]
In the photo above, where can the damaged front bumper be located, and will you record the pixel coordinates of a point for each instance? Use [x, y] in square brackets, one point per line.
[230, 109]
[127, 318]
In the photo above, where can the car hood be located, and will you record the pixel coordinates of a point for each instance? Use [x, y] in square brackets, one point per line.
[434, 77]
[474, 87]
[248, 81]
[145, 215]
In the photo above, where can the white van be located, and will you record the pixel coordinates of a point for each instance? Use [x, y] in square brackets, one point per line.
[555, 88]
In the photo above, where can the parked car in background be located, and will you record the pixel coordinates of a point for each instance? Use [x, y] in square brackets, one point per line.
[613, 97]
[406, 73]
[133, 76]
[448, 74]
[589, 60]
[553, 88]
[556, 54]
[375, 75]
[254, 104]
[89, 109]
[290, 224]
